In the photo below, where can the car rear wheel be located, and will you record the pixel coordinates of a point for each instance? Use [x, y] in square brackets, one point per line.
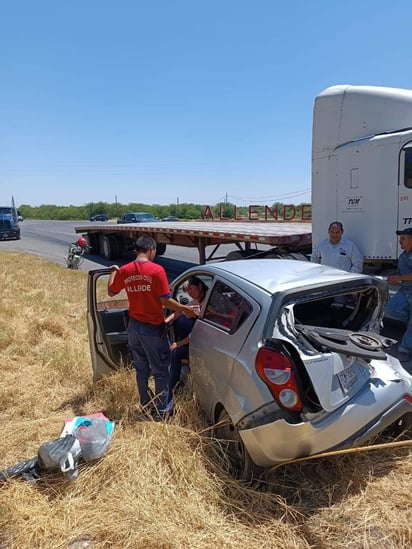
[235, 457]
[403, 427]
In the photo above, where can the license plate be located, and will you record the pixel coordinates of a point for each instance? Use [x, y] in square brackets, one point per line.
[347, 378]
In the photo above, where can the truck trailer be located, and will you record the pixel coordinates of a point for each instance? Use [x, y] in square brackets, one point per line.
[112, 240]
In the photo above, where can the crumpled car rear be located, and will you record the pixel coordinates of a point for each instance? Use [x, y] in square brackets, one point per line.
[384, 398]
[331, 378]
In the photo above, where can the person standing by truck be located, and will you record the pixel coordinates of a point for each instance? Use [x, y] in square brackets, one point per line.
[148, 292]
[400, 305]
[337, 251]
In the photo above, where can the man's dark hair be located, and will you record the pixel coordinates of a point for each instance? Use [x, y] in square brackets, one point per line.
[338, 223]
[144, 243]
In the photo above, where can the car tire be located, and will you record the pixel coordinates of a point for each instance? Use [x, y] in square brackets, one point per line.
[235, 458]
[404, 426]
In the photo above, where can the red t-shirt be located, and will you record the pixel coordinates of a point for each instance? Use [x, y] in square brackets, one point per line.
[145, 283]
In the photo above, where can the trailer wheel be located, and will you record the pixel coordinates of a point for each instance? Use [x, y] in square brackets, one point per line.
[109, 246]
[239, 254]
[160, 249]
[94, 243]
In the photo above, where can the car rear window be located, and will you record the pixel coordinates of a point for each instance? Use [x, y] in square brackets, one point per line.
[350, 311]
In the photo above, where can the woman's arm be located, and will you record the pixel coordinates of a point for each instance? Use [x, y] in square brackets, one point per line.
[180, 343]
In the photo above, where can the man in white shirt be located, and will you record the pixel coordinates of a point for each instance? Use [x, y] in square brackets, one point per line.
[337, 251]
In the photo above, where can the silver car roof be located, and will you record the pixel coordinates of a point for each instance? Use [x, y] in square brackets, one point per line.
[275, 275]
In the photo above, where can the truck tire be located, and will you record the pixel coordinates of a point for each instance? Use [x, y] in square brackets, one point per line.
[160, 249]
[94, 243]
[109, 246]
[239, 254]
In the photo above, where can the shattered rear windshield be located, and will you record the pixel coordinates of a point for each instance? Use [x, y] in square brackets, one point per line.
[355, 310]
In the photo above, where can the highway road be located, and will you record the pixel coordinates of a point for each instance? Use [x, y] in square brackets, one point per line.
[50, 239]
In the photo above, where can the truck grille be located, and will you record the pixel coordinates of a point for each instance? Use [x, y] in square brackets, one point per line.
[5, 225]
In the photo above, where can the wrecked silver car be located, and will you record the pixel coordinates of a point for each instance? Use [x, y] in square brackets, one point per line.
[285, 357]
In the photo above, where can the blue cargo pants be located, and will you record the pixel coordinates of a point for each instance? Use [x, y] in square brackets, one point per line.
[400, 307]
[150, 350]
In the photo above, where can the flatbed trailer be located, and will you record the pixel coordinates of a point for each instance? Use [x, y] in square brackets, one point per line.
[112, 240]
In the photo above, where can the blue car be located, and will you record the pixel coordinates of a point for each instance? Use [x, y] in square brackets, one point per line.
[138, 217]
[99, 217]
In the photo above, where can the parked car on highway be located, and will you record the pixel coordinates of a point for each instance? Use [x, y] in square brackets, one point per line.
[284, 357]
[138, 217]
[99, 217]
[170, 218]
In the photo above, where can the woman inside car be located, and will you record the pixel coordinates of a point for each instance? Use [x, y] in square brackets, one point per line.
[179, 369]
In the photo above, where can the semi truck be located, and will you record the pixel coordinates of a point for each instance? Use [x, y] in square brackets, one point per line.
[361, 176]
[9, 222]
[362, 167]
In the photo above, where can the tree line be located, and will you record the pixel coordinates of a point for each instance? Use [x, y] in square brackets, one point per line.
[116, 210]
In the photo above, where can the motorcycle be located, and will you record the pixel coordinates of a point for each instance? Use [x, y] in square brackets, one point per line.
[75, 252]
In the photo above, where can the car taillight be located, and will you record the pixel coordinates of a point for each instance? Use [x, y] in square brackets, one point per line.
[275, 369]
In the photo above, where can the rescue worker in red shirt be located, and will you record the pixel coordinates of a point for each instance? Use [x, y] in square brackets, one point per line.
[148, 291]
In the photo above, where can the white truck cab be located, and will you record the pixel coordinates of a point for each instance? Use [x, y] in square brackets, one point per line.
[362, 167]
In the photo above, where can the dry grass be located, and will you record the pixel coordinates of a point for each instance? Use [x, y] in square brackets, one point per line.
[159, 485]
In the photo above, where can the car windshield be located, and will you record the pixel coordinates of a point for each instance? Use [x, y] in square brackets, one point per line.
[5, 210]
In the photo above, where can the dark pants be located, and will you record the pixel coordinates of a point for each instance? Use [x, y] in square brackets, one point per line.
[178, 355]
[183, 327]
[150, 350]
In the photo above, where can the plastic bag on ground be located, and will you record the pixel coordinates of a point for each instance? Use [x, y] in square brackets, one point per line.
[63, 453]
[94, 436]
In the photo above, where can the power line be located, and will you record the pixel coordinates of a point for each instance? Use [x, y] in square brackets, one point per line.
[266, 199]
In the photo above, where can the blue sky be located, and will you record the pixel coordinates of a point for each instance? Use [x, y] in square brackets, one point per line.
[180, 101]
